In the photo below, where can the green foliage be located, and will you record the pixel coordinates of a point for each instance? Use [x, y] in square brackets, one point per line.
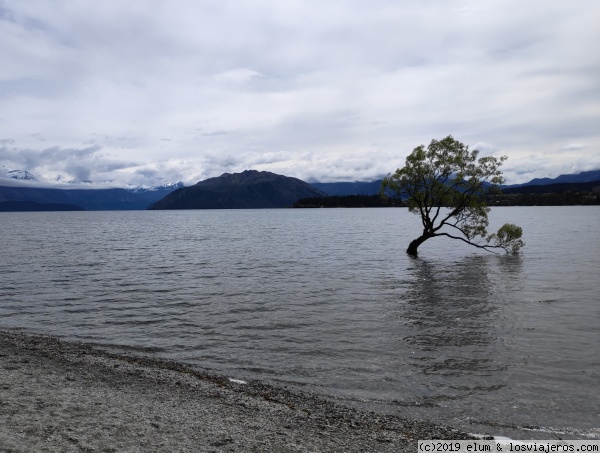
[446, 184]
[508, 237]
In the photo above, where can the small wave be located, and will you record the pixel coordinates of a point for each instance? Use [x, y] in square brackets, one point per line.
[592, 433]
[545, 301]
[126, 348]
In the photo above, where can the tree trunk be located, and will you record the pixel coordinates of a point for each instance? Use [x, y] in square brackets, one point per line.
[414, 245]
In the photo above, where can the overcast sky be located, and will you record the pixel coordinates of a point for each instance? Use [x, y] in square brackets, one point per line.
[150, 92]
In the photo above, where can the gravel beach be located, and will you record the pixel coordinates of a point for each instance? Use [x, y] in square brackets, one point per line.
[58, 396]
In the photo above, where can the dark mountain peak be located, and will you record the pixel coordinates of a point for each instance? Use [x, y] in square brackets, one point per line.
[246, 177]
[249, 189]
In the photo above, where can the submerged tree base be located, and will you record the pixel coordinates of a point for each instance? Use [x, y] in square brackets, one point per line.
[414, 245]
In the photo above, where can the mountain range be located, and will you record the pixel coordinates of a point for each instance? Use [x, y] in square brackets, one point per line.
[372, 187]
[31, 198]
[584, 176]
[249, 189]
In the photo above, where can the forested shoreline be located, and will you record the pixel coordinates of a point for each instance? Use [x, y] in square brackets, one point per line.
[550, 195]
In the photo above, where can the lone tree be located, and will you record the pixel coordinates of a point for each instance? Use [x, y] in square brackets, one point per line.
[447, 185]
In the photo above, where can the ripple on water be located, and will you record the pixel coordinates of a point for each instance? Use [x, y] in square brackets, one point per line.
[326, 300]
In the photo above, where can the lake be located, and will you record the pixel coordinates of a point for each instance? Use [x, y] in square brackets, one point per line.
[328, 302]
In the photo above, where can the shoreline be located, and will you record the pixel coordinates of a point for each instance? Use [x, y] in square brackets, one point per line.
[58, 395]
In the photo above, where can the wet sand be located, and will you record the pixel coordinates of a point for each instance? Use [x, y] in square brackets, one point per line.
[58, 396]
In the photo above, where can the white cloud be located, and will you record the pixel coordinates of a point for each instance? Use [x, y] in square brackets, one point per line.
[310, 89]
[573, 147]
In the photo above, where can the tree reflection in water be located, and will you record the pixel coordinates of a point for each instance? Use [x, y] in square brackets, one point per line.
[452, 327]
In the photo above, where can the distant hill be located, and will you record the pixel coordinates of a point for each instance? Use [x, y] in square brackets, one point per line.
[87, 199]
[591, 186]
[584, 176]
[372, 187]
[349, 188]
[250, 189]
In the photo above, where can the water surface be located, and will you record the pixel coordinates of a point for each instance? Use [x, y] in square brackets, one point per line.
[327, 301]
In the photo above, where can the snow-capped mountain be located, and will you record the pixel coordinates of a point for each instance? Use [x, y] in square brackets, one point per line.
[154, 193]
[16, 174]
[143, 188]
[63, 180]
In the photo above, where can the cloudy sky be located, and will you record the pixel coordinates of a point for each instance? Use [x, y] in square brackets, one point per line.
[150, 92]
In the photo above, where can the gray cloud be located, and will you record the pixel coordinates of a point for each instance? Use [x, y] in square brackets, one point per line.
[87, 163]
[334, 90]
